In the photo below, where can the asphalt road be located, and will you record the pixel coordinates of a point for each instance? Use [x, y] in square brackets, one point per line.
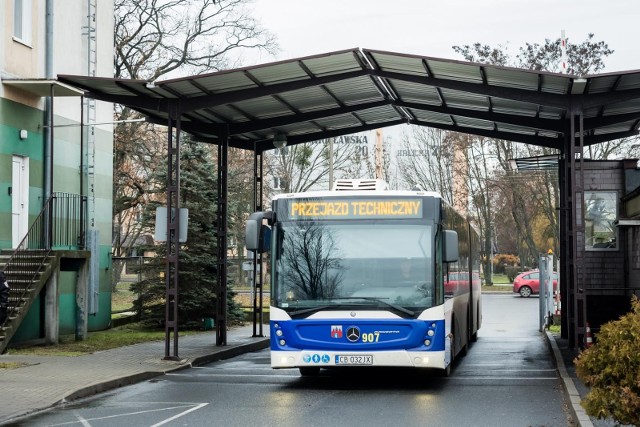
[507, 379]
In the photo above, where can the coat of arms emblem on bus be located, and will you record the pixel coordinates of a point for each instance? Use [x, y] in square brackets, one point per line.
[336, 331]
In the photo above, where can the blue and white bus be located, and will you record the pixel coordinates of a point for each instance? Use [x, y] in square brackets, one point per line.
[361, 278]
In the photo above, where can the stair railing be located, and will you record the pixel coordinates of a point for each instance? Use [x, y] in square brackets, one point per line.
[60, 224]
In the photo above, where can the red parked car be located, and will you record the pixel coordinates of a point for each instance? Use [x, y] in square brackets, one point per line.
[528, 283]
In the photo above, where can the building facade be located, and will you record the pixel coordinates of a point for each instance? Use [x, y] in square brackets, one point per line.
[52, 142]
[609, 271]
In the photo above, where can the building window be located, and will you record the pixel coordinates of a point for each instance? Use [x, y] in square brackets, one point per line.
[22, 20]
[600, 213]
[279, 183]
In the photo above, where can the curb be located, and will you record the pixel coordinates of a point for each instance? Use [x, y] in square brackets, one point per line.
[570, 390]
[230, 352]
[108, 385]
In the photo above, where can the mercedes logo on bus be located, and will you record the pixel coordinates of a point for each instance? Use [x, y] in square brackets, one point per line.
[353, 333]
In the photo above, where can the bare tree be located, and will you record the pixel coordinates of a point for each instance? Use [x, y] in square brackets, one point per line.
[312, 263]
[425, 160]
[154, 38]
[303, 167]
[535, 196]
[162, 38]
[617, 149]
[582, 58]
[531, 197]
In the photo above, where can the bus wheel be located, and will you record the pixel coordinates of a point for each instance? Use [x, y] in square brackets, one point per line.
[465, 348]
[474, 335]
[447, 371]
[310, 371]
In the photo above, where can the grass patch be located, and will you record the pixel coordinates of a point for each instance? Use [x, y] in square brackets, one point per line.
[98, 341]
[12, 365]
[494, 288]
[501, 279]
[122, 298]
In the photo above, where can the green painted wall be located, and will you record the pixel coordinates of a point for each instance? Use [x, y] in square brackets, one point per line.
[67, 302]
[30, 328]
[100, 322]
[15, 116]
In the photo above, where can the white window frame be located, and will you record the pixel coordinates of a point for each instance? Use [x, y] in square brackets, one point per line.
[611, 203]
[22, 21]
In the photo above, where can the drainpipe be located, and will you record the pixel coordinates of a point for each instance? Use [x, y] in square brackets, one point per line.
[51, 308]
[48, 104]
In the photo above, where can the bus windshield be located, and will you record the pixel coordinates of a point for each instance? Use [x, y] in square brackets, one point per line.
[381, 265]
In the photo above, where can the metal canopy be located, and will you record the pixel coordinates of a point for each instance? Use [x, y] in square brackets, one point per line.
[355, 90]
[537, 163]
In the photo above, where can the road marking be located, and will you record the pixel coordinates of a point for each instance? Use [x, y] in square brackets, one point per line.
[509, 369]
[83, 421]
[293, 374]
[180, 415]
[503, 378]
[188, 405]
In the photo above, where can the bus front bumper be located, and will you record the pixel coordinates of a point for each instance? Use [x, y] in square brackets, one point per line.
[330, 359]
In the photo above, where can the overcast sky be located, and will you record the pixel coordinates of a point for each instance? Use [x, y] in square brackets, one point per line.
[432, 27]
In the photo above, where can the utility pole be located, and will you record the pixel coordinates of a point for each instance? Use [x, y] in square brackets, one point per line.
[379, 159]
[330, 164]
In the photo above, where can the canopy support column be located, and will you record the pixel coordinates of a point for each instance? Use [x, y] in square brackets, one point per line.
[574, 305]
[221, 294]
[173, 241]
[257, 258]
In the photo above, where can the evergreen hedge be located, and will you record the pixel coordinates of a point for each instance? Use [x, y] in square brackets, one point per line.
[612, 369]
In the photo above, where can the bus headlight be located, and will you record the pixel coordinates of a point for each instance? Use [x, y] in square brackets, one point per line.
[279, 332]
[431, 332]
[427, 342]
[283, 342]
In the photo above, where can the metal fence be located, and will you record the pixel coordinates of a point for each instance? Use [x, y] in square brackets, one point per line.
[127, 270]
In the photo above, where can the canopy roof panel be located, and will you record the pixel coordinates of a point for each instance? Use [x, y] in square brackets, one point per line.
[349, 91]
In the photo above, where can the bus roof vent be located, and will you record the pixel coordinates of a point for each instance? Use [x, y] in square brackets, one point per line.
[360, 184]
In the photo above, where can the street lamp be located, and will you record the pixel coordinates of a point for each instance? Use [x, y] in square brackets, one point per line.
[280, 140]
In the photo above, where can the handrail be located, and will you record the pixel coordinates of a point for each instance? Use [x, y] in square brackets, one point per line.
[60, 223]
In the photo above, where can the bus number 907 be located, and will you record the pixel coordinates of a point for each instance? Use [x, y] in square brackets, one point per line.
[371, 337]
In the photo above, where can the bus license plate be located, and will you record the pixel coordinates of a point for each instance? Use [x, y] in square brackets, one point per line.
[354, 359]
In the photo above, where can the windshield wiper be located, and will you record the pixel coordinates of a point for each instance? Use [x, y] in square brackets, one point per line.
[381, 300]
[312, 310]
[309, 310]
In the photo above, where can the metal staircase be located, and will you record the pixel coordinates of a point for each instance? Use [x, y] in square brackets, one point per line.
[31, 264]
[26, 279]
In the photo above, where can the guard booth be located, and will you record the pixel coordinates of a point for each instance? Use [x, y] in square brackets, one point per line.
[609, 245]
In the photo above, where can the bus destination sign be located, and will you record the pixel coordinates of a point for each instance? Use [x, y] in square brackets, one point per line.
[355, 208]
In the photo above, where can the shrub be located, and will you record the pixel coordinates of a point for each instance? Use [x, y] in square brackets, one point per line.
[512, 272]
[612, 369]
[502, 261]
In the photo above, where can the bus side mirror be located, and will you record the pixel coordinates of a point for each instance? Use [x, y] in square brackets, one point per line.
[450, 246]
[257, 235]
